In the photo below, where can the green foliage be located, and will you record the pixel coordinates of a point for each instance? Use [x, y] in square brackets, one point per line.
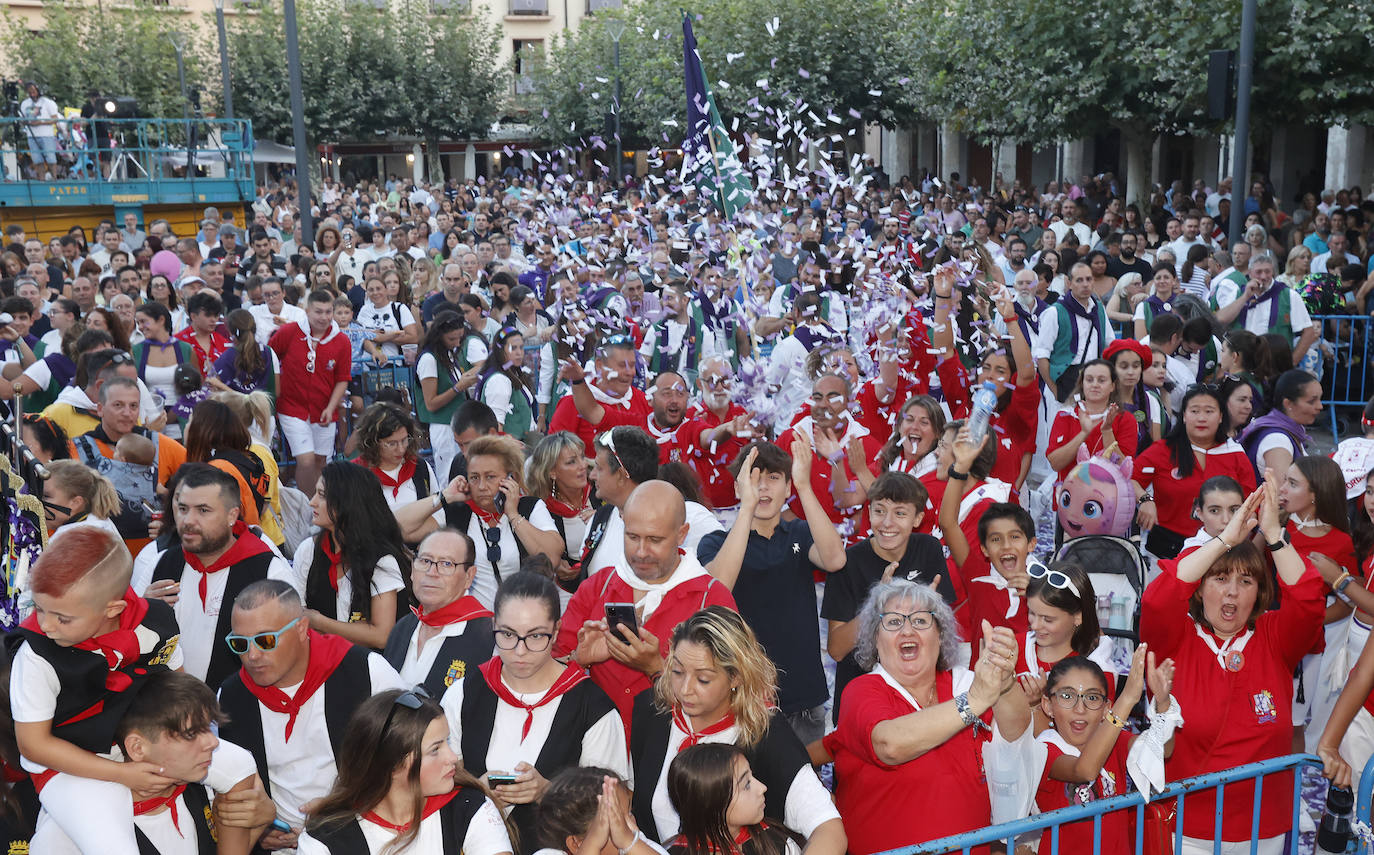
[119, 52]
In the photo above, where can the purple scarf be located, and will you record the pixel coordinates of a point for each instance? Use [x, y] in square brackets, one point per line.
[1089, 314]
[812, 337]
[1271, 297]
[1274, 420]
[1158, 306]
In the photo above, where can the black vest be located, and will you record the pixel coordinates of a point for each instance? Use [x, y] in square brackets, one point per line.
[776, 759]
[198, 809]
[344, 691]
[457, 655]
[454, 818]
[459, 514]
[171, 566]
[87, 713]
[596, 532]
[578, 709]
[17, 822]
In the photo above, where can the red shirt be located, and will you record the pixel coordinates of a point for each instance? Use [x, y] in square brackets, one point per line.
[1174, 496]
[674, 445]
[947, 782]
[1118, 827]
[218, 344]
[304, 393]
[618, 681]
[1066, 426]
[1016, 424]
[717, 484]
[821, 475]
[566, 417]
[1238, 717]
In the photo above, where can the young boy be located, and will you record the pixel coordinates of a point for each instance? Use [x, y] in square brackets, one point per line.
[89, 646]
[896, 504]
[995, 577]
[776, 594]
[365, 350]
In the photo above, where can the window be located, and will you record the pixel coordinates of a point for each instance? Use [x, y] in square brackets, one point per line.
[529, 58]
[439, 7]
[594, 6]
[529, 7]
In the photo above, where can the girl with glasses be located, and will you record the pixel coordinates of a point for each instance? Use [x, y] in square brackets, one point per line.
[388, 444]
[401, 788]
[523, 717]
[1087, 745]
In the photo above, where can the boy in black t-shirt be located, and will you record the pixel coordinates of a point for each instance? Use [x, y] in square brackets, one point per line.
[768, 563]
[896, 503]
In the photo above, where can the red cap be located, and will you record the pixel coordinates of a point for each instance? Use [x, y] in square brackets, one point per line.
[1139, 348]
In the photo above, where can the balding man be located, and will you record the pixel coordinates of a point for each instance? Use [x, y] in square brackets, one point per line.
[665, 584]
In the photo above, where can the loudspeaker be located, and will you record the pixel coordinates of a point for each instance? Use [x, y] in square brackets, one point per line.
[1220, 84]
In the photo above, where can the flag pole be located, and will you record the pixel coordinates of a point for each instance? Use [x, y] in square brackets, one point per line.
[715, 165]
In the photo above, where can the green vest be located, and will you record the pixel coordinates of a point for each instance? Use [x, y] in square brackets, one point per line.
[1063, 355]
[521, 416]
[443, 382]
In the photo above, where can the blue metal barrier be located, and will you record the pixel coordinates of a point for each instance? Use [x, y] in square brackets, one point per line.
[1362, 803]
[1008, 832]
[1346, 378]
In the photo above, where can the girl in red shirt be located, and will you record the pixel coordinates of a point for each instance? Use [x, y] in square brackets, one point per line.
[1086, 748]
[1169, 475]
[1095, 421]
[1234, 662]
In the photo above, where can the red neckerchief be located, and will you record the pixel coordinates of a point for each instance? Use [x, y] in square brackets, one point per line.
[464, 608]
[120, 647]
[694, 736]
[432, 804]
[246, 546]
[490, 519]
[407, 472]
[744, 836]
[334, 555]
[491, 672]
[326, 652]
[563, 509]
[170, 802]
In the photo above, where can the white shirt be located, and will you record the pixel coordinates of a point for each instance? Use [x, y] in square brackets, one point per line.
[1321, 263]
[611, 550]
[486, 835]
[1080, 230]
[266, 325]
[383, 319]
[420, 659]
[1257, 320]
[44, 108]
[603, 743]
[231, 764]
[200, 623]
[1049, 331]
[385, 579]
[304, 768]
[787, 371]
[484, 583]
[405, 491]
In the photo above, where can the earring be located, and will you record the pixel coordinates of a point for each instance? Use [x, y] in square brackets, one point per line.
[734, 689]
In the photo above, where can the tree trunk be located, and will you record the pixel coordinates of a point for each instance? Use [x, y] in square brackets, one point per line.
[1138, 144]
[434, 160]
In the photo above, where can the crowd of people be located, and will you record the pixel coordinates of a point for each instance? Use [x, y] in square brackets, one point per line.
[542, 515]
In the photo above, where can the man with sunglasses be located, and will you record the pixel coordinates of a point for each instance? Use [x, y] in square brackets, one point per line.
[316, 366]
[448, 631]
[291, 701]
[215, 557]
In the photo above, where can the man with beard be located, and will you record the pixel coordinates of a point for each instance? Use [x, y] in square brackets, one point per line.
[1014, 261]
[1128, 261]
[217, 557]
[667, 423]
[724, 428]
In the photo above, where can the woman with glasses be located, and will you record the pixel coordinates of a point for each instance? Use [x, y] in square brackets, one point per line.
[1235, 656]
[350, 574]
[76, 494]
[1168, 475]
[523, 717]
[913, 730]
[401, 788]
[389, 445]
[491, 507]
[720, 686]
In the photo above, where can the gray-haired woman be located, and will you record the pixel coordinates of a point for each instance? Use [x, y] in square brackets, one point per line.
[912, 731]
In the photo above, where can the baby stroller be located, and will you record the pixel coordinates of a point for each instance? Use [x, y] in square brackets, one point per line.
[1118, 573]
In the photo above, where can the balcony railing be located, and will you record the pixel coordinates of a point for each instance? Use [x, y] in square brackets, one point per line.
[529, 7]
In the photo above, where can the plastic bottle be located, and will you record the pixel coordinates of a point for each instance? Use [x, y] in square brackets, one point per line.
[1117, 620]
[1333, 834]
[984, 404]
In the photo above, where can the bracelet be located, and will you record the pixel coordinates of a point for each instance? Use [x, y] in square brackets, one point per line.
[837, 457]
[639, 835]
[956, 476]
[1145, 497]
[966, 712]
[1341, 581]
[1278, 544]
[1009, 318]
[1229, 546]
[1115, 720]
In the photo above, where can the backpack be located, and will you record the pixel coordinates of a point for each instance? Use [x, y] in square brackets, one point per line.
[135, 484]
[250, 467]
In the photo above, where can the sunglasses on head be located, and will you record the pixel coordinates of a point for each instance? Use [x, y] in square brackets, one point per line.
[1055, 578]
[264, 641]
[412, 700]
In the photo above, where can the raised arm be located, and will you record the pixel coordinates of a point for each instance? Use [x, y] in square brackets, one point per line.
[1193, 566]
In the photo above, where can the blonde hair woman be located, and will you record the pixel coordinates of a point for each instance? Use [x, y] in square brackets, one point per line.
[1299, 264]
[76, 494]
[719, 686]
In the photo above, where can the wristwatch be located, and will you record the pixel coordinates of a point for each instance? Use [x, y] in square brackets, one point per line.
[956, 476]
[1278, 544]
[1339, 590]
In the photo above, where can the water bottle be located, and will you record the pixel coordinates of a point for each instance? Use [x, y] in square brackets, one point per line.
[984, 404]
[1333, 835]
[1117, 620]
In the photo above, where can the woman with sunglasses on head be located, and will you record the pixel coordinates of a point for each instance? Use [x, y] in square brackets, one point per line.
[1210, 612]
[75, 494]
[401, 789]
[557, 474]
[491, 506]
[1168, 475]
[1061, 609]
[524, 716]
[351, 574]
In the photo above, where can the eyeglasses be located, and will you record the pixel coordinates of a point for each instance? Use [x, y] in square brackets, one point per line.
[535, 642]
[607, 439]
[1055, 578]
[413, 700]
[424, 564]
[894, 621]
[395, 443]
[264, 641]
[1068, 699]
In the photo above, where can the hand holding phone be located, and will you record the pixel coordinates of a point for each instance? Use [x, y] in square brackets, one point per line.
[622, 613]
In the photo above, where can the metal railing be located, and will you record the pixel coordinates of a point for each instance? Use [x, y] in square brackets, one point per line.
[143, 150]
[1094, 811]
[1346, 381]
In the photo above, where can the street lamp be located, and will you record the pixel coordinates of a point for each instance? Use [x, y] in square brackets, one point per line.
[293, 67]
[224, 60]
[615, 28]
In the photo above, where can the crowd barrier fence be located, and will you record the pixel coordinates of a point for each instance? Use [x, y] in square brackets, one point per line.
[1345, 377]
[1094, 811]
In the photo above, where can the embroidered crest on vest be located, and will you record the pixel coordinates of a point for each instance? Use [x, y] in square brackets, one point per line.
[456, 671]
[164, 653]
[356, 617]
[210, 823]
